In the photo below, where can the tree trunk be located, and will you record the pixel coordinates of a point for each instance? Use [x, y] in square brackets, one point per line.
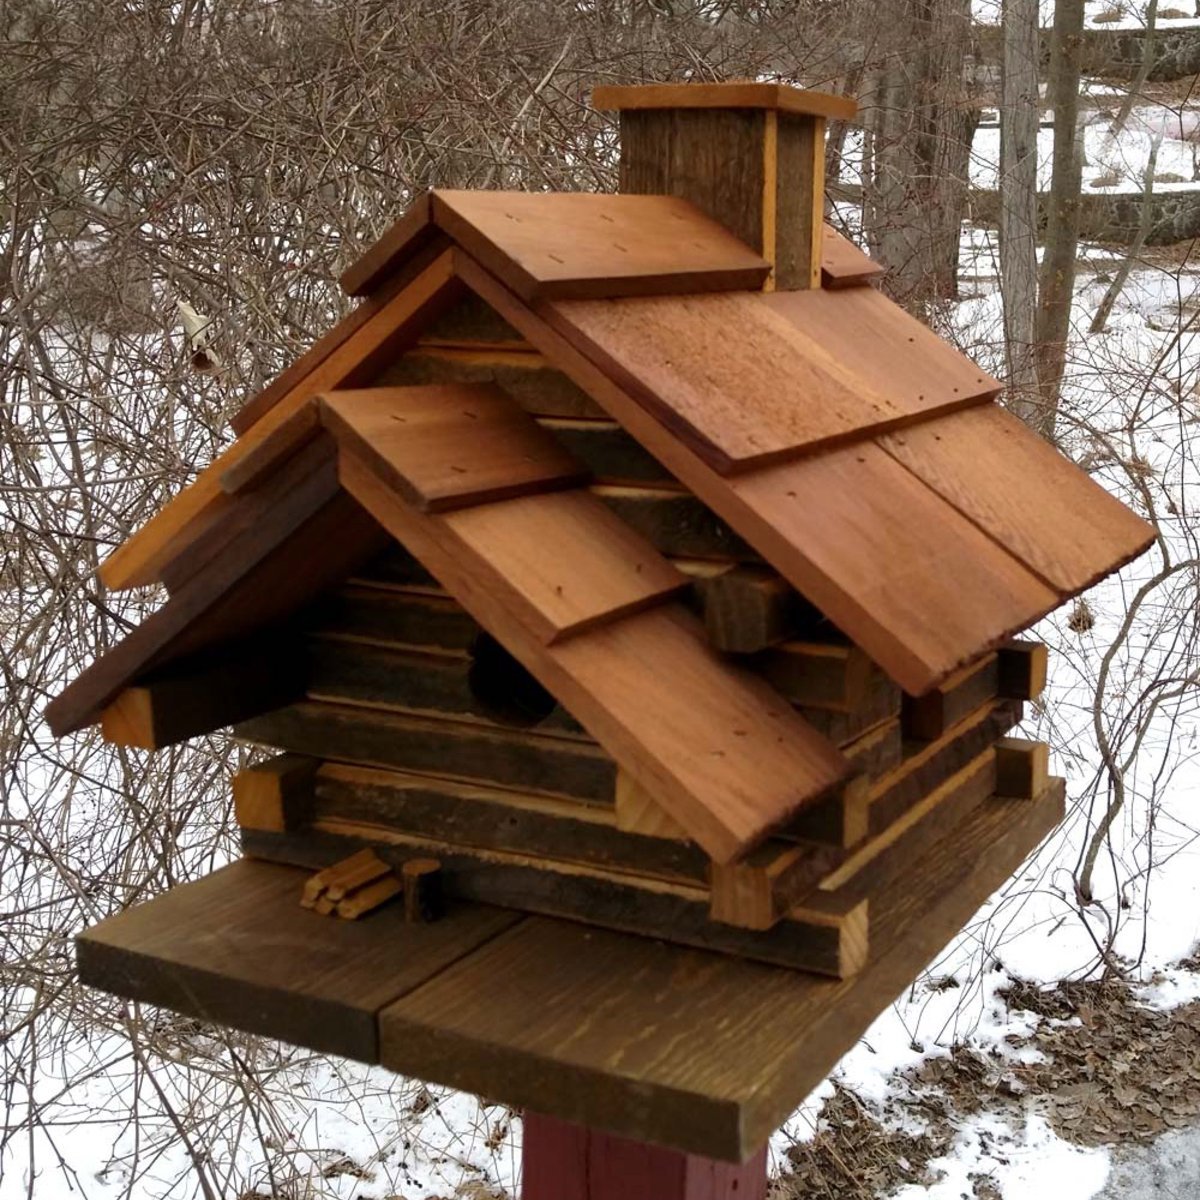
[1019, 118]
[919, 123]
[1056, 283]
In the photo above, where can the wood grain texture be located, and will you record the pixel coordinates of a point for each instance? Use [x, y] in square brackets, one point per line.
[498, 819]
[927, 717]
[412, 230]
[575, 244]
[243, 592]
[237, 949]
[876, 561]
[195, 697]
[726, 757]
[681, 1048]
[372, 611]
[382, 676]
[715, 158]
[1023, 669]
[868, 594]
[470, 751]
[296, 372]
[733, 94]
[277, 794]
[925, 766]
[748, 608]
[798, 202]
[141, 557]
[561, 562]
[885, 854]
[822, 935]
[1022, 767]
[528, 377]
[843, 264]
[772, 392]
[283, 442]
[452, 445]
[759, 891]
[637, 811]
[885, 351]
[1019, 490]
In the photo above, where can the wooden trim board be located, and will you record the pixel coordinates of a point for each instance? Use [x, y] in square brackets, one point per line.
[780, 97]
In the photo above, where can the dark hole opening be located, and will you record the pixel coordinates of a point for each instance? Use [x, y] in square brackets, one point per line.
[504, 689]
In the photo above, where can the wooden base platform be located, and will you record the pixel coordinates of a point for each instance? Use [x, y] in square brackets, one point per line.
[688, 1049]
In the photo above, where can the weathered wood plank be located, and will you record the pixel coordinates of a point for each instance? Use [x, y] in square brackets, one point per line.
[760, 890]
[675, 523]
[382, 677]
[783, 511]
[927, 717]
[556, 564]
[748, 608]
[926, 765]
[821, 674]
[682, 1048]
[577, 244]
[1023, 669]
[449, 446]
[207, 692]
[878, 861]
[237, 949]
[1022, 768]
[823, 935]
[239, 595]
[354, 359]
[429, 621]
[493, 819]
[1021, 491]
[525, 375]
[554, 766]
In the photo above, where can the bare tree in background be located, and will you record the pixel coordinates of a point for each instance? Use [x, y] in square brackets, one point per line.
[1056, 281]
[919, 119]
[1020, 112]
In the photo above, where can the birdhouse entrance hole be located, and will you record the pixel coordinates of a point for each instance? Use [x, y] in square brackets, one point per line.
[504, 688]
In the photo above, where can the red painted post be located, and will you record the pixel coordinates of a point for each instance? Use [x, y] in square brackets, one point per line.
[563, 1161]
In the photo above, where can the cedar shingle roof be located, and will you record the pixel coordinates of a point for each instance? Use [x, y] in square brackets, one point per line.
[858, 454]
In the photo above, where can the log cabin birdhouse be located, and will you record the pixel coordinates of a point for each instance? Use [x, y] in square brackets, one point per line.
[627, 583]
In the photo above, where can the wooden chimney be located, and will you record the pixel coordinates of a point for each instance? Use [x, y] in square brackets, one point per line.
[751, 155]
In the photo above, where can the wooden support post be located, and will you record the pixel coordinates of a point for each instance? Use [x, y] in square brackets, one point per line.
[564, 1161]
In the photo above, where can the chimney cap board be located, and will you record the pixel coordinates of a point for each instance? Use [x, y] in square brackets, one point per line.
[780, 97]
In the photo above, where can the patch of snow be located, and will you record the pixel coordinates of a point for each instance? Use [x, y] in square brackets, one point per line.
[1027, 1164]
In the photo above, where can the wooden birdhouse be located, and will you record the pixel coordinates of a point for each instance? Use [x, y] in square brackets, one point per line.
[627, 590]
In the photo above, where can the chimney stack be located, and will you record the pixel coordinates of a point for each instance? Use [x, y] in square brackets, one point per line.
[751, 155]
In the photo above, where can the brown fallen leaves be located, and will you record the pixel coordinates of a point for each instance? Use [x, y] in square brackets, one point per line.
[1112, 1071]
